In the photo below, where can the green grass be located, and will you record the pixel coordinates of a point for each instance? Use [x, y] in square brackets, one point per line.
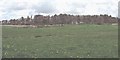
[69, 41]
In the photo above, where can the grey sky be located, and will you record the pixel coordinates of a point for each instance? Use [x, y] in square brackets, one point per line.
[17, 8]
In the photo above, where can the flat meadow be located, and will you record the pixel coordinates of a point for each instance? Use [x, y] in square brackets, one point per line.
[68, 41]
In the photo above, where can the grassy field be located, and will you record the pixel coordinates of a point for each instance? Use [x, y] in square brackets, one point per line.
[69, 41]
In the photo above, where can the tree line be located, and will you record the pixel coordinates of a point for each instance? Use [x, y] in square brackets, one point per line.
[62, 19]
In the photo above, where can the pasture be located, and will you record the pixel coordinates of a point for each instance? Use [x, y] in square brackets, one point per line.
[69, 41]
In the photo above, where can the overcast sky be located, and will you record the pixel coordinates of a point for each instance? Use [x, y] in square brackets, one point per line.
[10, 9]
